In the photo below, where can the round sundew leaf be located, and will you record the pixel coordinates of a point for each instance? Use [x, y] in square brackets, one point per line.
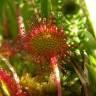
[45, 40]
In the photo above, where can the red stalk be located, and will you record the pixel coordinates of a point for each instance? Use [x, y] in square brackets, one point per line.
[55, 69]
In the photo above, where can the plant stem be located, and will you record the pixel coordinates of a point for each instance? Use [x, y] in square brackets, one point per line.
[89, 8]
[83, 78]
[54, 66]
[87, 89]
[44, 8]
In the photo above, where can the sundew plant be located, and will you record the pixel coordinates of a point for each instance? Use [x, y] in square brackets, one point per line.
[47, 48]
